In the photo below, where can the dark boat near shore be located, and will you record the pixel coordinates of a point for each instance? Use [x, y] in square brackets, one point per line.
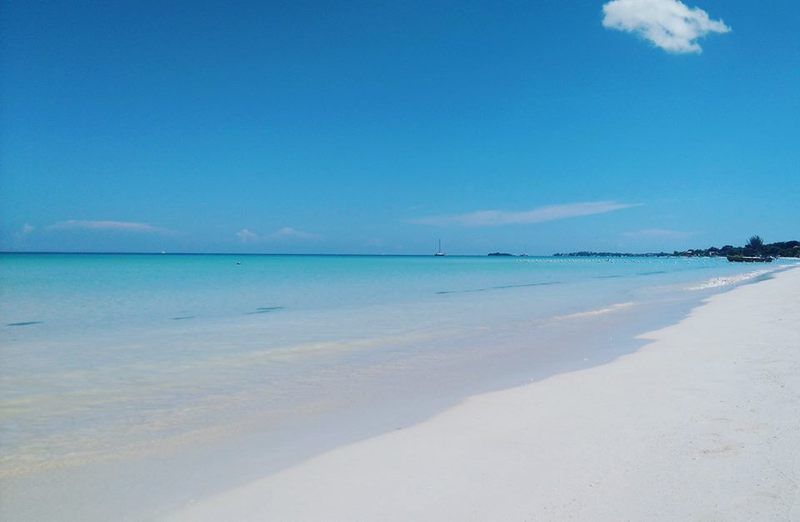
[749, 259]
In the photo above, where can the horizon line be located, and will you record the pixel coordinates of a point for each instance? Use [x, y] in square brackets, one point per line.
[319, 254]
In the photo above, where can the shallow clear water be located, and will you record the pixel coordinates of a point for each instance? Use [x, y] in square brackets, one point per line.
[113, 357]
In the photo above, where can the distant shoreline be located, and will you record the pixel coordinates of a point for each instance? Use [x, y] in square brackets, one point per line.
[778, 249]
[614, 254]
[785, 249]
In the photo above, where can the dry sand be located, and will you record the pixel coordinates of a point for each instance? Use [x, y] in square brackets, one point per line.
[703, 423]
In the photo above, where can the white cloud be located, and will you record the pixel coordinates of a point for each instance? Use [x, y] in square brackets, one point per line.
[293, 233]
[486, 218]
[26, 230]
[247, 236]
[668, 24]
[123, 226]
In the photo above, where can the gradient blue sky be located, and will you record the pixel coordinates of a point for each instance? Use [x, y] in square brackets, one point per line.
[378, 127]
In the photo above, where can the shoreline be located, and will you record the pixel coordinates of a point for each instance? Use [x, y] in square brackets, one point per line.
[695, 424]
[406, 388]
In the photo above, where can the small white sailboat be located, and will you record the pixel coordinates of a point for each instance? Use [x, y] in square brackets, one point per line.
[440, 252]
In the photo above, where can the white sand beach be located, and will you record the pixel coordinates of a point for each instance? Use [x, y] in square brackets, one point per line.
[703, 423]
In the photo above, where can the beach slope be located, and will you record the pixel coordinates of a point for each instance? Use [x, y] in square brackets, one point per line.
[702, 423]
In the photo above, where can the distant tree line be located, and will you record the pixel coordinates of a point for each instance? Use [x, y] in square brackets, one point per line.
[755, 247]
[585, 253]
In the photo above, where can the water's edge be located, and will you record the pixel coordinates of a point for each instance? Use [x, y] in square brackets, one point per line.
[114, 489]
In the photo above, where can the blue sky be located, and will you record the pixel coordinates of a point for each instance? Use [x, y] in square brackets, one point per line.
[375, 127]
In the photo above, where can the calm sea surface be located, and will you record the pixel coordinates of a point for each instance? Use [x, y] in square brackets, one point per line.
[108, 360]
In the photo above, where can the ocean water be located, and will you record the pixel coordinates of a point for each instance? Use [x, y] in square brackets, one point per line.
[174, 376]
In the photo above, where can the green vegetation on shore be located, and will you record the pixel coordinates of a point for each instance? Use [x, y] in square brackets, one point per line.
[755, 247]
[585, 253]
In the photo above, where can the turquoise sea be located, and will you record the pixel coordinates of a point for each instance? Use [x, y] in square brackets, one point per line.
[173, 376]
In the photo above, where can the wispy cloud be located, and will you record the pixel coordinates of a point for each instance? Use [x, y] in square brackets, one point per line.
[488, 218]
[293, 233]
[24, 231]
[120, 226]
[668, 24]
[658, 233]
[248, 236]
